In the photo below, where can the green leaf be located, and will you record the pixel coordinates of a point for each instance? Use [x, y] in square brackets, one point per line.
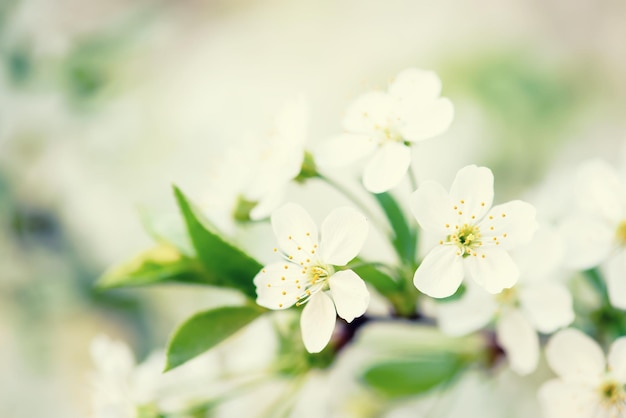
[405, 237]
[402, 299]
[224, 264]
[168, 228]
[384, 284]
[413, 376]
[163, 263]
[205, 330]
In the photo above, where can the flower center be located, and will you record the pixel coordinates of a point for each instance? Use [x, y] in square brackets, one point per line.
[388, 134]
[620, 233]
[507, 297]
[316, 279]
[467, 239]
[612, 394]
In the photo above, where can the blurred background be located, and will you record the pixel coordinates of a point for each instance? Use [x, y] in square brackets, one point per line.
[105, 104]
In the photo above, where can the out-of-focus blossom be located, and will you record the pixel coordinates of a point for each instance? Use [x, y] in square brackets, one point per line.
[252, 177]
[536, 303]
[588, 384]
[384, 125]
[597, 233]
[474, 236]
[121, 387]
[307, 274]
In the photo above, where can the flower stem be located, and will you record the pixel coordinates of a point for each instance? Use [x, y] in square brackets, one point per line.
[413, 178]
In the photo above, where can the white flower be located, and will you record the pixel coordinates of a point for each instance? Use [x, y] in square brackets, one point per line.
[114, 394]
[307, 274]
[473, 238]
[585, 386]
[280, 159]
[535, 303]
[385, 124]
[597, 233]
[259, 168]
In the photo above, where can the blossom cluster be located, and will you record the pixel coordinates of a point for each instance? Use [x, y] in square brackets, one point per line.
[500, 271]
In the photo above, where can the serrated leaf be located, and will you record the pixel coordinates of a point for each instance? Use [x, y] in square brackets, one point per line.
[160, 264]
[207, 329]
[225, 264]
[405, 237]
[413, 376]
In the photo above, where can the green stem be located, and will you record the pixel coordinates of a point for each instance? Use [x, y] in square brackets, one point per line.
[413, 178]
[595, 278]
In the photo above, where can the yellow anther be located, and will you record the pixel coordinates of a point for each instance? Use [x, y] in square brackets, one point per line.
[284, 293]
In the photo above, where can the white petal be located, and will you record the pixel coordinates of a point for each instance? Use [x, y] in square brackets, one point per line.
[470, 313]
[541, 256]
[267, 204]
[419, 121]
[274, 280]
[472, 193]
[369, 112]
[349, 293]
[513, 224]
[600, 190]
[617, 359]
[432, 208]
[548, 306]
[387, 167]
[519, 341]
[416, 85]
[565, 400]
[575, 357]
[295, 231]
[344, 149]
[343, 234]
[493, 269]
[588, 241]
[441, 272]
[616, 279]
[317, 322]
